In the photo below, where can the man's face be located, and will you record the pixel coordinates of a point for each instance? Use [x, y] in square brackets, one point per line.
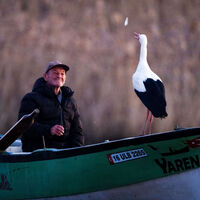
[55, 77]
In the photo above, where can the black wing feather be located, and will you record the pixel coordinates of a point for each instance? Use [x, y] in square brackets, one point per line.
[154, 97]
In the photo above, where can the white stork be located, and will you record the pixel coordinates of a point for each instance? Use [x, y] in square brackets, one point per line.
[148, 86]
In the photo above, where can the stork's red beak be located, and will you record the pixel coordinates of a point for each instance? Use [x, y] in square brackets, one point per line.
[137, 36]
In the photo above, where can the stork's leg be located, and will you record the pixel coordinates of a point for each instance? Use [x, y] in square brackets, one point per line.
[150, 126]
[146, 121]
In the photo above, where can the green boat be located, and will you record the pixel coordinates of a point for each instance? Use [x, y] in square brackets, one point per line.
[158, 166]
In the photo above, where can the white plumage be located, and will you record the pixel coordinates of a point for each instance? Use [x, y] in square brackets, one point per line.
[141, 75]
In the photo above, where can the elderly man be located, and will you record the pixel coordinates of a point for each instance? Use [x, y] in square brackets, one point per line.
[58, 124]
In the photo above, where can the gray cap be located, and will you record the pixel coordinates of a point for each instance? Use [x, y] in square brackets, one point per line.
[53, 64]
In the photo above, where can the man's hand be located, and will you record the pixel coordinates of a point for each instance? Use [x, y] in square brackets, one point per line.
[57, 130]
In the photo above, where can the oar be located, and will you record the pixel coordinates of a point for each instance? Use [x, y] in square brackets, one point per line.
[17, 130]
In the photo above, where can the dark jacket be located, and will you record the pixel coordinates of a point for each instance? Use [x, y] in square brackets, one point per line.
[52, 112]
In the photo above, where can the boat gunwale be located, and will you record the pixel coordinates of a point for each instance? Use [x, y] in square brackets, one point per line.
[50, 154]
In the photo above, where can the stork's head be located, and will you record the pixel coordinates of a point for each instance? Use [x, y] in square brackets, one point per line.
[141, 37]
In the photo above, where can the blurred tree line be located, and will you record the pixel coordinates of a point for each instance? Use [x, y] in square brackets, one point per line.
[90, 37]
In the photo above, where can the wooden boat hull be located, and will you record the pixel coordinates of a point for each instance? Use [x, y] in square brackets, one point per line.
[133, 167]
[175, 187]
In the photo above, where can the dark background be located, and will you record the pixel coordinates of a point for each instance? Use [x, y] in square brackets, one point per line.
[90, 37]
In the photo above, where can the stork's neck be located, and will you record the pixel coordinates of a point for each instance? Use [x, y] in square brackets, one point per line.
[143, 52]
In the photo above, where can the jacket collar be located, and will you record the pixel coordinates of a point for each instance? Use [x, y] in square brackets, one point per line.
[41, 86]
